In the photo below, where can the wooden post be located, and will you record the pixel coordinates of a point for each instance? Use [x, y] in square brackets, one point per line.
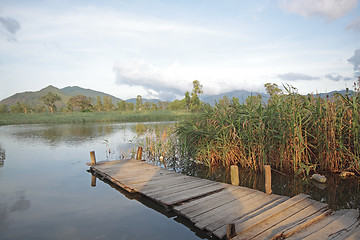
[234, 173]
[267, 170]
[93, 181]
[230, 231]
[92, 157]
[139, 153]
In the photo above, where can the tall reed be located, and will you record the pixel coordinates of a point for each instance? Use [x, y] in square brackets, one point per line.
[292, 132]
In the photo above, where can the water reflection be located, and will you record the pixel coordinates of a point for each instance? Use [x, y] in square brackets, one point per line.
[2, 156]
[69, 133]
[7, 208]
[155, 206]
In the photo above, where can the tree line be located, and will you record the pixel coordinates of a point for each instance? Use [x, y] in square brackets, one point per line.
[80, 103]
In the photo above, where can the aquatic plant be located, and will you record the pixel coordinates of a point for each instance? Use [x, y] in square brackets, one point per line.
[291, 132]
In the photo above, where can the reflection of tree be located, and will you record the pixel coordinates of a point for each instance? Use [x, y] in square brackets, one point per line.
[2, 156]
[70, 133]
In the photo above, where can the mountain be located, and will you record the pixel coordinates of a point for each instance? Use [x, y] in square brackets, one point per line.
[239, 94]
[33, 98]
[73, 91]
[144, 100]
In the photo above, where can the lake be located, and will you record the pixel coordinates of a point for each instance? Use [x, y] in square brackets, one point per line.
[45, 190]
[46, 193]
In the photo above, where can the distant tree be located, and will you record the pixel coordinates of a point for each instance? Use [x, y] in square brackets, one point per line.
[273, 90]
[253, 100]
[130, 106]
[79, 103]
[108, 105]
[122, 106]
[177, 105]
[49, 100]
[187, 100]
[16, 108]
[162, 105]
[138, 103]
[4, 108]
[39, 109]
[154, 106]
[147, 106]
[195, 100]
[98, 106]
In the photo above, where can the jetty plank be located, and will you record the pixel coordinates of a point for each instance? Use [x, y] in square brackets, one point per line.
[278, 219]
[214, 206]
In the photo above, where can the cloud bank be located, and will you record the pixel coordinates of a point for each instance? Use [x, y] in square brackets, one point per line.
[337, 77]
[354, 25]
[295, 77]
[328, 9]
[9, 27]
[355, 61]
[167, 82]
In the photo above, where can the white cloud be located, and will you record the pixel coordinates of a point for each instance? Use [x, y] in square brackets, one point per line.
[337, 77]
[138, 72]
[295, 76]
[355, 60]
[8, 27]
[328, 9]
[354, 25]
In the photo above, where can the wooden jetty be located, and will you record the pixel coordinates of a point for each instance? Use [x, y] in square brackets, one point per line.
[232, 212]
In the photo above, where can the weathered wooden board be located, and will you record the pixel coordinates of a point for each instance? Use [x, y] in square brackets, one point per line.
[270, 223]
[220, 225]
[212, 206]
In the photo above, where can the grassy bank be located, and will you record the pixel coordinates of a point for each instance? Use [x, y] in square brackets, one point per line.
[79, 117]
[291, 132]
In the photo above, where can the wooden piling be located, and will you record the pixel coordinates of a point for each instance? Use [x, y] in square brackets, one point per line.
[234, 173]
[92, 157]
[93, 181]
[230, 231]
[139, 153]
[267, 170]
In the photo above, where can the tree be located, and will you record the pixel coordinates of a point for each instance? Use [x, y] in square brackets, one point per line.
[16, 108]
[121, 106]
[154, 107]
[147, 105]
[49, 100]
[80, 103]
[195, 100]
[130, 106]
[187, 100]
[108, 105]
[273, 90]
[4, 108]
[98, 106]
[138, 103]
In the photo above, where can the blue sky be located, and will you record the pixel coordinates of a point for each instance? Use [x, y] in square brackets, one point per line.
[157, 48]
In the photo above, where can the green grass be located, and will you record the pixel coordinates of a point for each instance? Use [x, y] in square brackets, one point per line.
[82, 117]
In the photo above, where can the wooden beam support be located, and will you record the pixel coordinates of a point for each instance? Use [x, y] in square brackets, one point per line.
[234, 173]
[267, 170]
[92, 157]
[139, 153]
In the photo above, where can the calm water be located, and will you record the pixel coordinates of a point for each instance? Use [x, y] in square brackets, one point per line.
[45, 190]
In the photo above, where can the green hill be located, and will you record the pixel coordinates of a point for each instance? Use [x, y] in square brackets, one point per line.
[33, 98]
[75, 90]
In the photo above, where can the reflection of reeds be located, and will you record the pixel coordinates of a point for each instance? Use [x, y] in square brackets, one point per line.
[291, 132]
[160, 142]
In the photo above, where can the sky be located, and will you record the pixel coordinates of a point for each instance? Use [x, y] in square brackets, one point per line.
[157, 48]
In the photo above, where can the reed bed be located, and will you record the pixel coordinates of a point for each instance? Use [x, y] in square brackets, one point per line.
[291, 132]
